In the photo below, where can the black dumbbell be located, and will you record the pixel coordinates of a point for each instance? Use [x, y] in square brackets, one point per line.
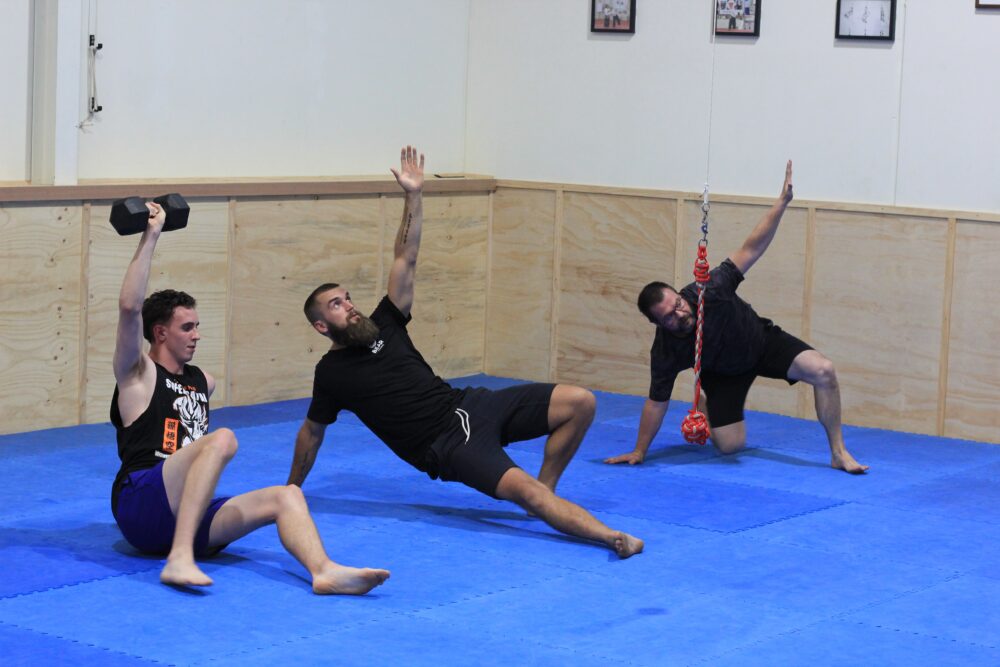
[130, 215]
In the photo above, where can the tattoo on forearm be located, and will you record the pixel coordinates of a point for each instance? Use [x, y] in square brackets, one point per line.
[406, 230]
[301, 469]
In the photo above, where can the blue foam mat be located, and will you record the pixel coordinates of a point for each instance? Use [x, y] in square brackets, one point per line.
[768, 557]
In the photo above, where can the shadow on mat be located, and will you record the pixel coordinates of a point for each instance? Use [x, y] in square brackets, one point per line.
[668, 454]
[471, 519]
[700, 455]
[770, 455]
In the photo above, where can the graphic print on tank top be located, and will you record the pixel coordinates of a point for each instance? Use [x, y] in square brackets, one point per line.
[192, 411]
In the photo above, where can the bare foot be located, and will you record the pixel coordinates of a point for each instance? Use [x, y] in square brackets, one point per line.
[341, 580]
[625, 545]
[183, 573]
[847, 463]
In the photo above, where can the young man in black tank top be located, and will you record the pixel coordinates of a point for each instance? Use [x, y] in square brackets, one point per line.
[162, 497]
[374, 370]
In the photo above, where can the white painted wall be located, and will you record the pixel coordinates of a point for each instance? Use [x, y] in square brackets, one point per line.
[219, 88]
[902, 123]
[949, 138]
[14, 68]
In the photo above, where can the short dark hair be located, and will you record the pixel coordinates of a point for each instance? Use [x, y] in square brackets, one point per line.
[311, 308]
[158, 308]
[651, 295]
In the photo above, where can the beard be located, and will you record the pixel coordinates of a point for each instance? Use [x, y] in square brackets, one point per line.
[685, 325]
[356, 334]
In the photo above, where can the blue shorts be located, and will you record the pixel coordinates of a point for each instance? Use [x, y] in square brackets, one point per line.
[144, 517]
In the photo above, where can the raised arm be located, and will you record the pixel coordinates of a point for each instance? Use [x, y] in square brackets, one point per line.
[307, 444]
[649, 426]
[760, 237]
[404, 267]
[129, 362]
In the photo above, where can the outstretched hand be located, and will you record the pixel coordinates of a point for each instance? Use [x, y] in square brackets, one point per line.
[410, 174]
[786, 189]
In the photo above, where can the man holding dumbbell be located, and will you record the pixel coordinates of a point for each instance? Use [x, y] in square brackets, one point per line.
[162, 495]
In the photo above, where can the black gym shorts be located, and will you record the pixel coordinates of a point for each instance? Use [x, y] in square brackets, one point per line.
[471, 449]
[727, 394]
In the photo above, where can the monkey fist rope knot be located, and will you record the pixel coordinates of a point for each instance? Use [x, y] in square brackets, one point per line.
[701, 264]
[695, 427]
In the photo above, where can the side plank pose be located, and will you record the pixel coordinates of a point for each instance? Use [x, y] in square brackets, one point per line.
[739, 346]
[373, 370]
[162, 495]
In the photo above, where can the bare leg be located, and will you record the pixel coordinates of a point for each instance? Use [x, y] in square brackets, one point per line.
[812, 367]
[566, 517]
[730, 438]
[190, 476]
[571, 411]
[286, 506]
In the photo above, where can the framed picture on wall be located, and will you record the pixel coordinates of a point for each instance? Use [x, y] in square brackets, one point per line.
[612, 16]
[737, 17]
[866, 19]
[988, 4]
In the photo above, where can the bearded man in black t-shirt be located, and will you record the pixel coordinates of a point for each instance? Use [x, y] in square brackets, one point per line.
[373, 370]
[738, 346]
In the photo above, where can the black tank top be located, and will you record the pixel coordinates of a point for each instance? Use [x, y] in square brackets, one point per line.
[177, 415]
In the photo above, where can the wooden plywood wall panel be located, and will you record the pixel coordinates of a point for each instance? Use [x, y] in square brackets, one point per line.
[449, 307]
[281, 251]
[877, 309]
[612, 245]
[520, 299]
[41, 255]
[972, 406]
[774, 286]
[192, 260]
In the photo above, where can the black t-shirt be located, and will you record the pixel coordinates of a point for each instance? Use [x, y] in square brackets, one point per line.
[733, 334]
[176, 416]
[388, 386]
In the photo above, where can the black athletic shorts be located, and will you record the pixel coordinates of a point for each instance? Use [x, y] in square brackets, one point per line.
[471, 449]
[727, 394]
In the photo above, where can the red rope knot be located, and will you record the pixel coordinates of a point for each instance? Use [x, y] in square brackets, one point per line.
[695, 427]
[701, 266]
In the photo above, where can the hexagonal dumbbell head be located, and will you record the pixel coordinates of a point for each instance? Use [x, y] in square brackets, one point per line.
[177, 211]
[129, 215]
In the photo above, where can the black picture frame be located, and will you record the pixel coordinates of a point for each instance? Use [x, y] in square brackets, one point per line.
[612, 16]
[737, 17]
[866, 20]
[987, 4]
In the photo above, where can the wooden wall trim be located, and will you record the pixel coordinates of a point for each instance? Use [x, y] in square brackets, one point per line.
[819, 205]
[100, 190]
[807, 300]
[230, 249]
[678, 240]
[489, 286]
[380, 278]
[84, 303]
[556, 288]
[949, 281]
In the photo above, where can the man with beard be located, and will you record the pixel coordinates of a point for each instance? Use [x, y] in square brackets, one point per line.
[162, 496]
[739, 346]
[373, 370]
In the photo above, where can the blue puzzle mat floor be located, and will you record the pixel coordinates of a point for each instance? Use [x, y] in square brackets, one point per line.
[769, 557]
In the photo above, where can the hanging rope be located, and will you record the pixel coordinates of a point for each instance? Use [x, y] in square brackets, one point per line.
[695, 425]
